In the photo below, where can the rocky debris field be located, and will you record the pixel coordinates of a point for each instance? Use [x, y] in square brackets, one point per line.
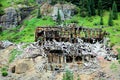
[28, 61]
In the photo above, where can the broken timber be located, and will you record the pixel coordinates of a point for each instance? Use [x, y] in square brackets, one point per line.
[69, 34]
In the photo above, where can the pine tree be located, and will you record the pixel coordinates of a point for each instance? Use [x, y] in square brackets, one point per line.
[38, 13]
[92, 5]
[101, 20]
[110, 21]
[58, 17]
[100, 8]
[83, 8]
[114, 9]
[89, 8]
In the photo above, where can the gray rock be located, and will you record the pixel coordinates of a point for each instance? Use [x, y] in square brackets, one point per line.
[5, 44]
[10, 19]
[42, 1]
[65, 10]
[14, 16]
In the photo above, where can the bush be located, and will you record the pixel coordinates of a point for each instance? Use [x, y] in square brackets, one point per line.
[74, 21]
[4, 73]
[68, 75]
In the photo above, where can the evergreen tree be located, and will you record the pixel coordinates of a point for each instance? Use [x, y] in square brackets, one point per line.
[110, 21]
[89, 8]
[58, 17]
[100, 8]
[101, 20]
[38, 13]
[92, 5]
[114, 9]
[83, 8]
[1, 10]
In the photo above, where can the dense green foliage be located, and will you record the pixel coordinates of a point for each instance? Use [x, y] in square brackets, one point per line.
[100, 8]
[38, 13]
[68, 75]
[58, 17]
[4, 71]
[101, 20]
[1, 10]
[114, 9]
[110, 21]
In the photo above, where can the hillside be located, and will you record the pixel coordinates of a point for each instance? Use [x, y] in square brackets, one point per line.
[71, 46]
[29, 25]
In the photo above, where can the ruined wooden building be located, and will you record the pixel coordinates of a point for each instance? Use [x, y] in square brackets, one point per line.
[69, 34]
[73, 52]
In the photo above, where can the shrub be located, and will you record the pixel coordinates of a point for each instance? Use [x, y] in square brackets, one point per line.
[4, 73]
[74, 21]
[68, 75]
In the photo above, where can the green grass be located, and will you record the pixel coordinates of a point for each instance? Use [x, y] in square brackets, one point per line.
[94, 22]
[114, 67]
[8, 3]
[27, 34]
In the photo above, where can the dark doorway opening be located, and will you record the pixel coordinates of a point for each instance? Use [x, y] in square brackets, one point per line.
[69, 59]
[78, 58]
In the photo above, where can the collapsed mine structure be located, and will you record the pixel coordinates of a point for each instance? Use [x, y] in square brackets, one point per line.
[72, 43]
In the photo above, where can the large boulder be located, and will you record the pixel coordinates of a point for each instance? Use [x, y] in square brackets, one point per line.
[65, 10]
[22, 66]
[14, 16]
[10, 19]
[46, 9]
[5, 44]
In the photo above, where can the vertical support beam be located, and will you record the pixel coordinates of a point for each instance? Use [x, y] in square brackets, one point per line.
[52, 57]
[83, 58]
[64, 59]
[73, 59]
[93, 34]
[59, 59]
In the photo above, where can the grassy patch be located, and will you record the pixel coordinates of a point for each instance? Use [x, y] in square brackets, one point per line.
[13, 54]
[114, 67]
[94, 22]
[8, 3]
[27, 34]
